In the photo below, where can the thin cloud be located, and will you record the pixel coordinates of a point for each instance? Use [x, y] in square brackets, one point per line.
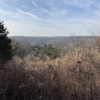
[10, 14]
[88, 4]
[26, 4]
[46, 11]
[79, 3]
[64, 12]
[34, 4]
[97, 13]
[7, 6]
[27, 13]
[15, 16]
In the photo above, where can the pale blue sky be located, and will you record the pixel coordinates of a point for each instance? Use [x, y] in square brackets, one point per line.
[49, 17]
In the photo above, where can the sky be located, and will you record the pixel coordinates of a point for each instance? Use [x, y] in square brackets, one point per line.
[50, 17]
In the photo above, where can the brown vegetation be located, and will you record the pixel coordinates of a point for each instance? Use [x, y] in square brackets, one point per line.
[73, 77]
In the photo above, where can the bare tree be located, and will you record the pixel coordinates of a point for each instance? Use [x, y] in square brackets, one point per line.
[21, 47]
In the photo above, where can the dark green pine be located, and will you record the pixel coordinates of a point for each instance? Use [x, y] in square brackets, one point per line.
[5, 45]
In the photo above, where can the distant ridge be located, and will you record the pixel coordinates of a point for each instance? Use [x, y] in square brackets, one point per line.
[61, 40]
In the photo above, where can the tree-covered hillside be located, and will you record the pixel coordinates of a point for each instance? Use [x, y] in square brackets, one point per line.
[46, 50]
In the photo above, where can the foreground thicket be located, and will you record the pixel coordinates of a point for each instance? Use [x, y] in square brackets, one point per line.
[73, 77]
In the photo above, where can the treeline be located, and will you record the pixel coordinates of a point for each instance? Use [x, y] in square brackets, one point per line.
[55, 40]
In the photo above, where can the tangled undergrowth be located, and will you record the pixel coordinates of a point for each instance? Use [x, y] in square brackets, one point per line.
[73, 77]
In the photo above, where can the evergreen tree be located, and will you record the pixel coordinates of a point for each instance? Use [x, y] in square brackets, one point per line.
[5, 45]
